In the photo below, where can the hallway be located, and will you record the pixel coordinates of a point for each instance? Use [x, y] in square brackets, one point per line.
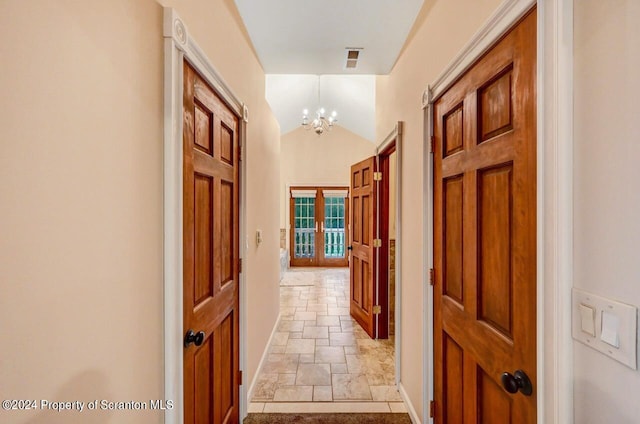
[320, 359]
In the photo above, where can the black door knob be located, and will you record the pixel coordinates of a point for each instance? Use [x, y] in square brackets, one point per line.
[517, 381]
[350, 248]
[195, 338]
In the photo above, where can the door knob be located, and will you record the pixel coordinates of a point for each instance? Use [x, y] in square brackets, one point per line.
[350, 248]
[517, 381]
[195, 338]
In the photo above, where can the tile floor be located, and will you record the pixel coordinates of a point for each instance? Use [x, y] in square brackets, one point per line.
[320, 354]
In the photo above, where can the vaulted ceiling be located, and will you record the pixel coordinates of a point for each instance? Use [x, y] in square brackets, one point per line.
[297, 40]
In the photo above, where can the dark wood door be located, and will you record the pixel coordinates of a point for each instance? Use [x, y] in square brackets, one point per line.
[211, 255]
[485, 235]
[363, 233]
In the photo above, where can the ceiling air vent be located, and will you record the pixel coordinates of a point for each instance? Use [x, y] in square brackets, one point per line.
[353, 53]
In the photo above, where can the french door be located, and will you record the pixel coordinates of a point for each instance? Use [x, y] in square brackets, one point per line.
[319, 224]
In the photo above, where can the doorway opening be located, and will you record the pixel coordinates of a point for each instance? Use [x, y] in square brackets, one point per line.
[387, 230]
[320, 359]
[319, 221]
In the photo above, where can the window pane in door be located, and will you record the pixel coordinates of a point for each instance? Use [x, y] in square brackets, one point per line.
[334, 234]
[304, 231]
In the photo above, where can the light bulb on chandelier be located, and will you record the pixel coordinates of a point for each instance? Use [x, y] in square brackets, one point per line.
[321, 123]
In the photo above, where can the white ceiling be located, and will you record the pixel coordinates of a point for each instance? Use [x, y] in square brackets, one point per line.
[352, 96]
[297, 40]
[310, 37]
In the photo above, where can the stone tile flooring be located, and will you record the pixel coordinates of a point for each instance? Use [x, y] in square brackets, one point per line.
[319, 353]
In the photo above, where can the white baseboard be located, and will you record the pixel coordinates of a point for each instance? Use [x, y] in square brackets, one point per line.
[415, 419]
[265, 354]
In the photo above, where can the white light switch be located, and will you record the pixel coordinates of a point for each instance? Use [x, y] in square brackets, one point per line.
[609, 334]
[588, 320]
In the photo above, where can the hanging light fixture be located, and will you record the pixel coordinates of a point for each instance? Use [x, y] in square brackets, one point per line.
[320, 123]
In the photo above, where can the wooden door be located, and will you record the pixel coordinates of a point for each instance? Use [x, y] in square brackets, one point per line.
[211, 256]
[485, 236]
[363, 233]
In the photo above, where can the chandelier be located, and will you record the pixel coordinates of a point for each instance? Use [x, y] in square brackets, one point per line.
[320, 123]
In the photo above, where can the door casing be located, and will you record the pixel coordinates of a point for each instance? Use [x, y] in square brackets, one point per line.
[382, 264]
[395, 140]
[392, 144]
[179, 46]
[554, 197]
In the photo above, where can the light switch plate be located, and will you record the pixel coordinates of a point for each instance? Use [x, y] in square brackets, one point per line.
[625, 328]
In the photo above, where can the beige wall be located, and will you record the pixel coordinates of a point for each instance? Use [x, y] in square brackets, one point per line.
[81, 299]
[81, 208]
[440, 33]
[606, 197]
[322, 160]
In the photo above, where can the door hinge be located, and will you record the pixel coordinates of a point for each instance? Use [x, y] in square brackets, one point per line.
[240, 266]
[377, 310]
[240, 378]
[377, 176]
[377, 243]
[432, 409]
[433, 143]
[432, 276]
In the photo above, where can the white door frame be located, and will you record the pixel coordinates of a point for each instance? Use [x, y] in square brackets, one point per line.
[554, 196]
[395, 137]
[179, 46]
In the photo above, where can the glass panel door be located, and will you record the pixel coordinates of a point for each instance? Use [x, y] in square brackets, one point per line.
[304, 244]
[334, 227]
